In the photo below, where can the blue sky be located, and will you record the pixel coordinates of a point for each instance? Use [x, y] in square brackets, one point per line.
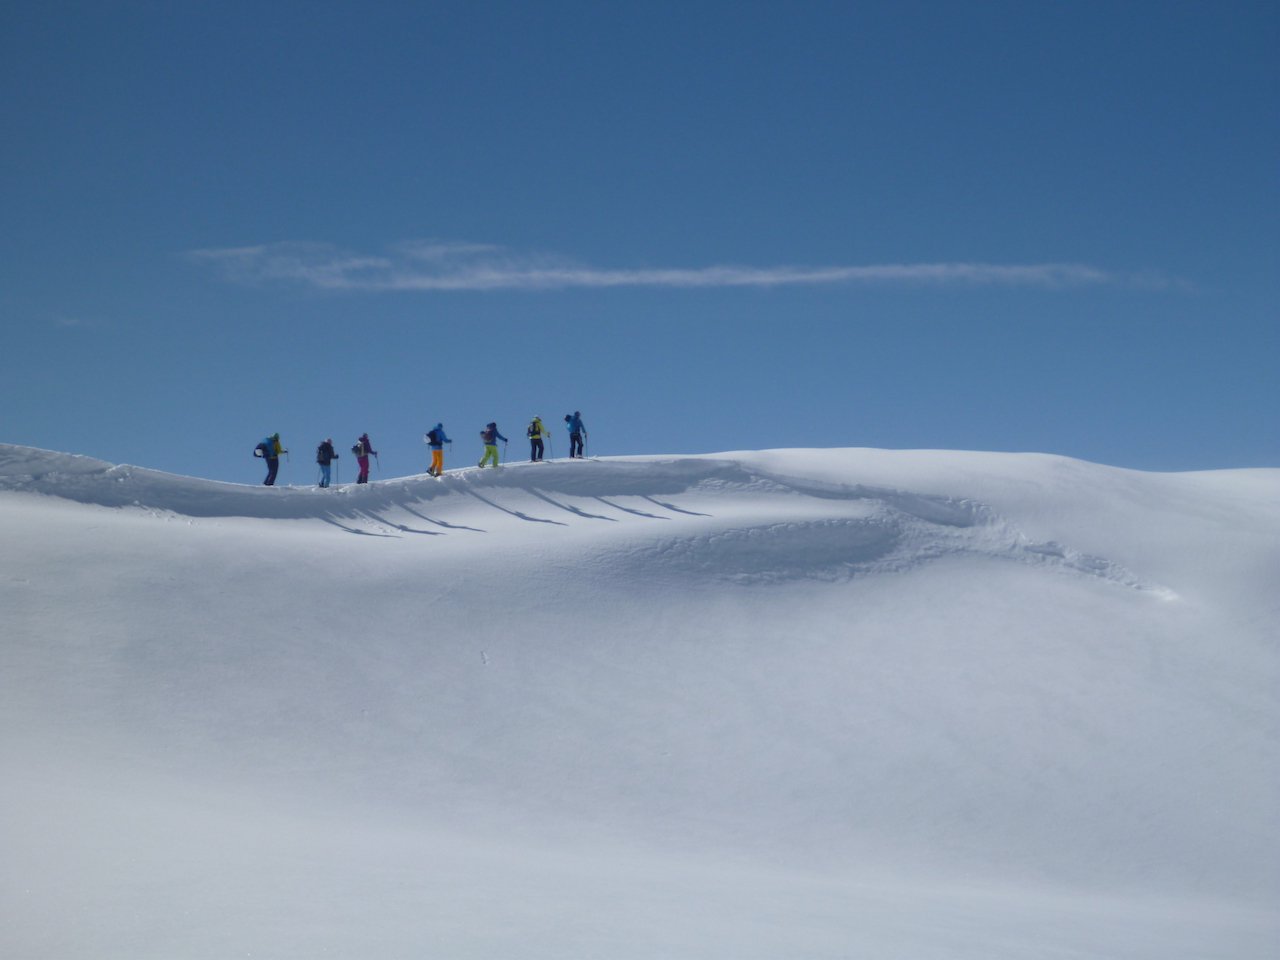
[709, 226]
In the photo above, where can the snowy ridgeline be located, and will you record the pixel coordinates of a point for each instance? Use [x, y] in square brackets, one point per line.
[769, 704]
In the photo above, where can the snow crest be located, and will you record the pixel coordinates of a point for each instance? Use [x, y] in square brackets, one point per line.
[767, 526]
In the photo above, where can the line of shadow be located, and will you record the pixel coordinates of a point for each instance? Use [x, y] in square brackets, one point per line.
[671, 506]
[441, 523]
[515, 513]
[400, 526]
[572, 509]
[638, 513]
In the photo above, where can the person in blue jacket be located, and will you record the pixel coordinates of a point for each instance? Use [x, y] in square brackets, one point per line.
[491, 436]
[436, 440]
[576, 432]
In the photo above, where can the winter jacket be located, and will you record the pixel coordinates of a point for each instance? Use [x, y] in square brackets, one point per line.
[575, 424]
[326, 454]
[438, 444]
[490, 434]
[271, 448]
[536, 430]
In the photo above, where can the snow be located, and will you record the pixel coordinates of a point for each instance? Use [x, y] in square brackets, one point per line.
[789, 703]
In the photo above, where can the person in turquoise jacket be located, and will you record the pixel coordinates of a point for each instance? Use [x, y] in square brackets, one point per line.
[576, 432]
[270, 449]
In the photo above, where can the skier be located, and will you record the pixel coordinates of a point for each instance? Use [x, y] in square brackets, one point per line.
[270, 450]
[491, 436]
[536, 432]
[363, 449]
[576, 432]
[325, 455]
[436, 440]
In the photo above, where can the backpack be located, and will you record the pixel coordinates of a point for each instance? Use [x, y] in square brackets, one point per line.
[260, 450]
[433, 435]
[535, 429]
[355, 448]
[489, 434]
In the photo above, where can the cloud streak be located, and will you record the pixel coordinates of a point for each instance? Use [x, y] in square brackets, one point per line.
[436, 266]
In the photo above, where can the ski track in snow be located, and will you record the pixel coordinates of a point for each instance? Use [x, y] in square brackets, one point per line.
[892, 531]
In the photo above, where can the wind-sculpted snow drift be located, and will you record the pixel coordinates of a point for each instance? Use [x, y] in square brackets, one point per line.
[825, 531]
[764, 704]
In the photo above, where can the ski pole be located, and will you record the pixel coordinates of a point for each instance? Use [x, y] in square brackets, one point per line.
[378, 461]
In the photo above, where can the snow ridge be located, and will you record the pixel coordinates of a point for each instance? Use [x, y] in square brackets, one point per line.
[846, 530]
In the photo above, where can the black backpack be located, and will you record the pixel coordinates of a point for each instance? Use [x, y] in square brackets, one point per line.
[433, 435]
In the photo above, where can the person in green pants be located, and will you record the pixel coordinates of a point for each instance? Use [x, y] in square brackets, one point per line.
[491, 436]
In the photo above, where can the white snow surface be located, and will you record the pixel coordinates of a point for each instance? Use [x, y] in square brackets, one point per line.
[777, 704]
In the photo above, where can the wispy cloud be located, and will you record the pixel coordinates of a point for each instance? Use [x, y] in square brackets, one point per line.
[429, 266]
[67, 322]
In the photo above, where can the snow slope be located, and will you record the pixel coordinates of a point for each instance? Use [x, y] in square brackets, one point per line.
[794, 703]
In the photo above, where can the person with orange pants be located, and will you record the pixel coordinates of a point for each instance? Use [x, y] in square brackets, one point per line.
[436, 440]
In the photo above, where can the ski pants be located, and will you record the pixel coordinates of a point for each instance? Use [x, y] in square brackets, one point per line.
[575, 444]
[324, 474]
[364, 470]
[437, 460]
[490, 451]
[535, 448]
[273, 464]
